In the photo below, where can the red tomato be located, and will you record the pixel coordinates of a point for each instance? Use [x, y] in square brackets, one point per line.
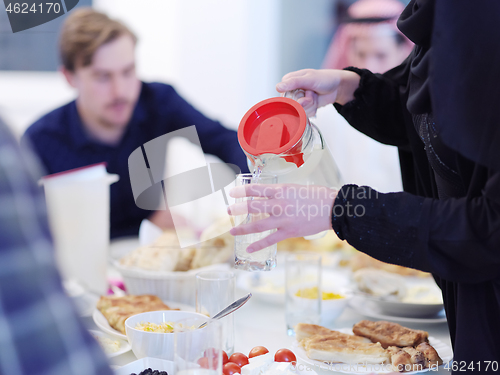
[284, 355]
[225, 358]
[258, 350]
[239, 358]
[203, 362]
[231, 368]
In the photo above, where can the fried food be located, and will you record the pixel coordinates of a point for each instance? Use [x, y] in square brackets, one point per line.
[117, 309]
[400, 360]
[390, 334]
[305, 330]
[417, 358]
[432, 358]
[345, 348]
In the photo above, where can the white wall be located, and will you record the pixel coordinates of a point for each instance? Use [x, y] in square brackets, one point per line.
[221, 55]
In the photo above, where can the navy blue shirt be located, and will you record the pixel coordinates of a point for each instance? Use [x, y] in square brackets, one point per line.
[61, 142]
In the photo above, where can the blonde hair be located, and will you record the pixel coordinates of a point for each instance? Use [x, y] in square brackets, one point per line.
[83, 32]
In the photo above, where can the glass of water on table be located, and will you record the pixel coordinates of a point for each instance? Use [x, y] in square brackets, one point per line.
[262, 260]
[302, 289]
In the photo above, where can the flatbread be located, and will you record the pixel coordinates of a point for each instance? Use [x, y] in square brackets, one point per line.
[118, 309]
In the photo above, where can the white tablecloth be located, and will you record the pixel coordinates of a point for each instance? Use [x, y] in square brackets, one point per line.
[258, 323]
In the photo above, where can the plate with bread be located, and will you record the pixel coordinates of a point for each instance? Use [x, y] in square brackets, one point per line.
[112, 311]
[397, 295]
[370, 347]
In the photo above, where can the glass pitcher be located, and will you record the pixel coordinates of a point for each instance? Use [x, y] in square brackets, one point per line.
[279, 139]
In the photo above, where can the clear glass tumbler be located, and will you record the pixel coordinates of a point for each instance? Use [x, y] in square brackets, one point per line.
[198, 351]
[302, 290]
[214, 292]
[262, 260]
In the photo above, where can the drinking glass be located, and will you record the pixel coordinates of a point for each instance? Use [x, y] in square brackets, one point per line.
[198, 351]
[262, 260]
[214, 292]
[302, 289]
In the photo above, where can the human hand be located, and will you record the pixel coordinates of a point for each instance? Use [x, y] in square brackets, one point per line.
[294, 211]
[322, 87]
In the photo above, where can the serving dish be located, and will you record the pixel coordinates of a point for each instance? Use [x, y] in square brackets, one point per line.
[104, 326]
[367, 308]
[124, 344]
[444, 351]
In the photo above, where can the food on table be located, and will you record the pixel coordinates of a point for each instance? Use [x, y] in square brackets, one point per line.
[306, 330]
[342, 347]
[361, 260]
[165, 327]
[108, 345]
[117, 309]
[390, 286]
[231, 368]
[313, 294]
[258, 365]
[225, 358]
[149, 371]
[214, 249]
[416, 356]
[258, 350]
[389, 334]
[165, 254]
[401, 360]
[427, 294]
[261, 363]
[380, 283]
[432, 357]
[239, 358]
[284, 355]
[372, 342]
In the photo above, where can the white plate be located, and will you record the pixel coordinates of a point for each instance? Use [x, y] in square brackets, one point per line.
[365, 307]
[443, 350]
[142, 364]
[417, 288]
[269, 287]
[104, 326]
[124, 345]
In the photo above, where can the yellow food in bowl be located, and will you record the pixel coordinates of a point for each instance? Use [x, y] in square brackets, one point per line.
[312, 293]
[166, 327]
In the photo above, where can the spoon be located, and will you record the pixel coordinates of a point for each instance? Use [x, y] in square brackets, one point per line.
[228, 310]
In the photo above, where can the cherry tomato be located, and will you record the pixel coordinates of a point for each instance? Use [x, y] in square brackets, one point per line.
[239, 358]
[203, 362]
[284, 355]
[258, 350]
[225, 358]
[231, 368]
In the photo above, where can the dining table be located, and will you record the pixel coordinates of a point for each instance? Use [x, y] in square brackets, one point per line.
[261, 323]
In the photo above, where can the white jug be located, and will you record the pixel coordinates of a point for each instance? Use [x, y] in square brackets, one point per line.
[78, 210]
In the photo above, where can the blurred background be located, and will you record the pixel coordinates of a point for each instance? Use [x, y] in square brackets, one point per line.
[223, 56]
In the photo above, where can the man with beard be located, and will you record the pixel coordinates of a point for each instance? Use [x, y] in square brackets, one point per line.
[115, 113]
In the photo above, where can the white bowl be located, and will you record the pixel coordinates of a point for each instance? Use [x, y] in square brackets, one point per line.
[331, 309]
[153, 344]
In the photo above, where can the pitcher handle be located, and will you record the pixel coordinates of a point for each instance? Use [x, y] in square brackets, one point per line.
[294, 94]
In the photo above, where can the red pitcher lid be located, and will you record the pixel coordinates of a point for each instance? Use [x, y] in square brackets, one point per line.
[272, 126]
